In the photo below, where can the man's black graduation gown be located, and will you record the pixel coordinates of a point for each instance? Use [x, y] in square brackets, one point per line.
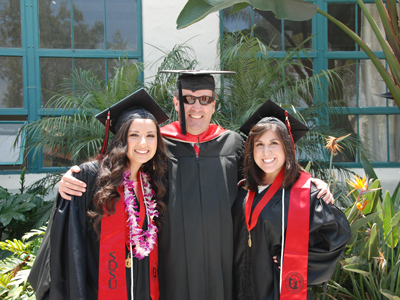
[70, 270]
[196, 241]
[256, 275]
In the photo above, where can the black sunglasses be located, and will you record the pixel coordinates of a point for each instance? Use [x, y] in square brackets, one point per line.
[203, 100]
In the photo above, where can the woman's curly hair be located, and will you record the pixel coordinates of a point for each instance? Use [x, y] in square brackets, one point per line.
[112, 167]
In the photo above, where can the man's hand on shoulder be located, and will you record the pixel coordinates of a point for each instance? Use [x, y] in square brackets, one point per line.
[324, 191]
[70, 186]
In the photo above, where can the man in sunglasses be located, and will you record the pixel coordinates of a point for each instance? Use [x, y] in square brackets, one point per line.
[195, 241]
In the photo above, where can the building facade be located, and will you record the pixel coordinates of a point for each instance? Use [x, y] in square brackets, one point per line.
[43, 41]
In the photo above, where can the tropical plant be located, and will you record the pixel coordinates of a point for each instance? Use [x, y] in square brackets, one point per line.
[370, 266]
[15, 269]
[299, 10]
[261, 76]
[22, 211]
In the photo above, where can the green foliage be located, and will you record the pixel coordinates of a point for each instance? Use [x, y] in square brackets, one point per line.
[296, 10]
[370, 266]
[22, 211]
[15, 269]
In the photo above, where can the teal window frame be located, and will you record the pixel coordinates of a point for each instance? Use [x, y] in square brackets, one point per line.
[31, 54]
[320, 57]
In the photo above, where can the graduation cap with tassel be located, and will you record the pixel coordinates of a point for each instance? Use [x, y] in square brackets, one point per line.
[138, 105]
[193, 80]
[271, 112]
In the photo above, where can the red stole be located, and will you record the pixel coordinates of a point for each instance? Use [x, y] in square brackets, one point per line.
[295, 258]
[113, 240]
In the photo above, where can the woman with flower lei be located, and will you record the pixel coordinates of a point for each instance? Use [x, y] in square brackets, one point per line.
[103, 244]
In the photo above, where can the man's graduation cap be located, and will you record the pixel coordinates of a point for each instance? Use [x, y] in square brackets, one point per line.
[193, 80]
[270, 112]
[138, 105]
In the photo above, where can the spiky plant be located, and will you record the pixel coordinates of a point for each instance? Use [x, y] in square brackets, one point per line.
[75, 134]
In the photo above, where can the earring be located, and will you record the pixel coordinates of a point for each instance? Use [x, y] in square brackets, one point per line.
[154, 165]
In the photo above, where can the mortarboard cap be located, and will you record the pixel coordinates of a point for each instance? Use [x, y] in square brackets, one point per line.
[193, 80]
[138, 105]
[267, 114]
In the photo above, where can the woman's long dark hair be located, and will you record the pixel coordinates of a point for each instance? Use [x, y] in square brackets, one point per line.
[253, 173]
[112, 167]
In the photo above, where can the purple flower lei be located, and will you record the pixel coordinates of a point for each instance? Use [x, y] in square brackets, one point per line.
[143, 241]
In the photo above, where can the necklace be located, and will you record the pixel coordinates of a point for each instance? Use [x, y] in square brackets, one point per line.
[143, 241]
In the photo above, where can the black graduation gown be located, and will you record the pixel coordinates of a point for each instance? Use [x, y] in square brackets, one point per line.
[256, 275]
[67, 263]
[196, 241]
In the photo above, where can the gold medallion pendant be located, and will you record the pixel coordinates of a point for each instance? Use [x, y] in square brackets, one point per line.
[128, 261]
[249, 239]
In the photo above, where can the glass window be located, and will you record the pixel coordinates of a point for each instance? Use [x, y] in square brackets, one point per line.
[373, 133]
[10, 155]
[55, 24]
[11, 82]
[115, 63]
[345, 91]
[88, 24]
[52, 73]
[10, 24]
[121, 25]
[394, 141]
[268, 29]
[240, 20]
[96, 65]
[370, 85]
[338, 40]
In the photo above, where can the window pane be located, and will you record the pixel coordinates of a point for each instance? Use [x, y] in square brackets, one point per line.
[300, 70]
[121, 25]
[338, 40]
[10, 24]
[373, 133]
[55, 24]
[52, 73]
[370, 85]
[296, 33]
[394, 141]
[8, 133]
[115, 63]
[11, 82]
[348, 124]
[89, 24]
[97, 66]
[268, 29]
[345, 90]
[367, 34]
[240, 20]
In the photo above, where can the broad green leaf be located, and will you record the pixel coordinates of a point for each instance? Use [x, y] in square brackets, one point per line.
[295, 10]
[357, 268]
[390, 30]
[369, 170]
[395, 220]
[3, 193]
[387, 219]
[396, 197]
[362, 222]
[371, 248]
[389, 295]
[391, 59]
[238, 7]
[373, 198]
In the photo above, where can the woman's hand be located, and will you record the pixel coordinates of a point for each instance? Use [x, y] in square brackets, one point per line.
[70, 186]
[324, 191]
[275, 258]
